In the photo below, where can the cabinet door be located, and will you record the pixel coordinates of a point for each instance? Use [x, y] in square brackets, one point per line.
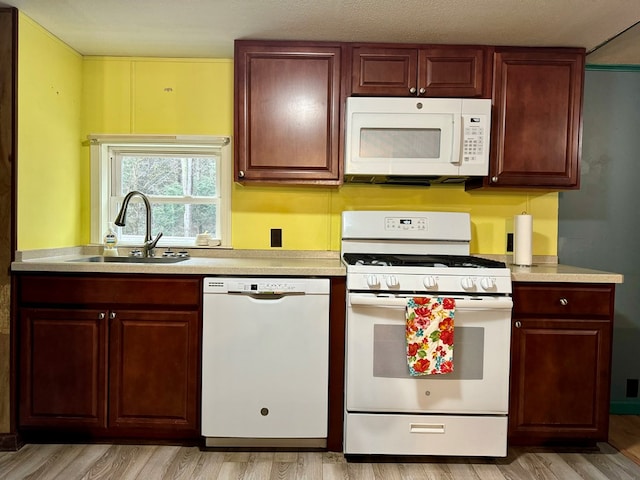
[452, 71]
[438, 71]
[537, 112]
[384, 71]
[560, 372]
[63, 355]
[154, 371]
[287, 115]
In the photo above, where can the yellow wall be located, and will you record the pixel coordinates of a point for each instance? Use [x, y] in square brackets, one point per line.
[153, 96]
[49, 201]
[195, 96]
[310, 218]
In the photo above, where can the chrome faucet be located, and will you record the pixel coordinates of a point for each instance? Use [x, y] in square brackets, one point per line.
[149, 243]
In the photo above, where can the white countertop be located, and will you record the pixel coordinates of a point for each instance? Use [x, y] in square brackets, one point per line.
[267, 262]
[201, 262]
[549, 272]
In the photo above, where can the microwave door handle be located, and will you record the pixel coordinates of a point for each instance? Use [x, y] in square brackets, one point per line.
[458, 138]
[487, 303]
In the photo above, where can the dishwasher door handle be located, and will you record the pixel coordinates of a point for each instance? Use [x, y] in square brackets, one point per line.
[266, 295]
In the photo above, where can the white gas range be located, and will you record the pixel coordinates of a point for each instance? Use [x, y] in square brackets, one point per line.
[390, 258]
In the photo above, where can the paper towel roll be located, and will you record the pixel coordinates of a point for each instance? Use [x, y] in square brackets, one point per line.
[522, 239]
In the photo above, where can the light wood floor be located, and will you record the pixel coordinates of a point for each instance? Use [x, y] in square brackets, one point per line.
[124, 462]
[624, 434]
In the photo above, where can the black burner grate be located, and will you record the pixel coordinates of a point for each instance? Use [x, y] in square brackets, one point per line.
[403, 260]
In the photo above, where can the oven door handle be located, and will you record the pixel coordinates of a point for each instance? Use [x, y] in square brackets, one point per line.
[473, 303]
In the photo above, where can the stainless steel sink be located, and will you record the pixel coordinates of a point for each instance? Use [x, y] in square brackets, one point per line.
[100, 258]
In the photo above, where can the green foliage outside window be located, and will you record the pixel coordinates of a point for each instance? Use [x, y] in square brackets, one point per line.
[176, 188]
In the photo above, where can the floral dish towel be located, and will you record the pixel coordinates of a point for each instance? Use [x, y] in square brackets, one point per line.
[430, 335]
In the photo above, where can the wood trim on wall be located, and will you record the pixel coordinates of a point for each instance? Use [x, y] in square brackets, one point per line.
[8, 142]
[10, 442]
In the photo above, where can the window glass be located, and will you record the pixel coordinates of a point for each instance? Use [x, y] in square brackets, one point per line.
[181, 189]
[169, 175]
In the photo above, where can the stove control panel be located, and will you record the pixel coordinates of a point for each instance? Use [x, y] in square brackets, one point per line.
[438, 282]
[405, 223]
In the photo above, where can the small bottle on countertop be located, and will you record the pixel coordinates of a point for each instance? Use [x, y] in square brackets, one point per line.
[110, 241]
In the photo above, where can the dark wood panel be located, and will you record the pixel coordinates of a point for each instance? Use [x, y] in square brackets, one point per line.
[536, 124]
[560, 363]
[287, 115]
[421, 70]
[594, 301]
[154, 375]
[148, 342]
[277, 121]
[561, 380]
[384, 71]
[63, 367]
[92, 289]
[8, 135]
[8, 169]
[337, 328]
[455, 72]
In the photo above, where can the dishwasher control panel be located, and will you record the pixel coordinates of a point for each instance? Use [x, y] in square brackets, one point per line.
[264, 286]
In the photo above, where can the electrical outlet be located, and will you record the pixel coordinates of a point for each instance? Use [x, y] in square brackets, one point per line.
[276, 237]
[509, 242]
[632, 388]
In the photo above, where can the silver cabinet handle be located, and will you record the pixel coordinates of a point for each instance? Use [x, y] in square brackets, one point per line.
[412, 90]
[518, 324]
[112, 315]
[422, 90]
[101, 316]
[241, 174]
[494, 179]
[564, 302]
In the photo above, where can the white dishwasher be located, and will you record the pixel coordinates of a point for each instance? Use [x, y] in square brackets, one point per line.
[265, 361]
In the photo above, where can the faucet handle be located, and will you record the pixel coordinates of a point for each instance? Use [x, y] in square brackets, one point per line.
[153, 243]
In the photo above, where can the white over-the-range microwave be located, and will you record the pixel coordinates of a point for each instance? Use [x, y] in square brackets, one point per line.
[416, 140]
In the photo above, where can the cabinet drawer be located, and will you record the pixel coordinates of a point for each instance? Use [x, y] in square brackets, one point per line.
[141, 290]
[563, 299]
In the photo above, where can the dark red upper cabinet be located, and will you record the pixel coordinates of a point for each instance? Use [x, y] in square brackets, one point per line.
[423, 71]
[536, 119]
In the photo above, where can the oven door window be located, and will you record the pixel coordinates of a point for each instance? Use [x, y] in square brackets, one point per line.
[389, 353]
[377, 374]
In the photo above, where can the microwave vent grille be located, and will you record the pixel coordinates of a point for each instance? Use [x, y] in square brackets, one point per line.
[408, 180]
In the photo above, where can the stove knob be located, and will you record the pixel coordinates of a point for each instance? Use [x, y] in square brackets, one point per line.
[372, 281]
[468, 283]
[429, 282]
[487, 283]
[392, 281]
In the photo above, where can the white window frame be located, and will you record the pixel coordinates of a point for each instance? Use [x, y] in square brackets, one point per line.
[103, 175]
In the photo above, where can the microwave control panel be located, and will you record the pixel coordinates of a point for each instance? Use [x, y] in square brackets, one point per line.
[475, 138]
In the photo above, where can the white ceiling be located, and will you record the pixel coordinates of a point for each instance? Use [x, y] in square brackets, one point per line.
[207, 28]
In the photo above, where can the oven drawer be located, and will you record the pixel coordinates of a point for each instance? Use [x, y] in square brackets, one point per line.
[557, 299]
[387, 434]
